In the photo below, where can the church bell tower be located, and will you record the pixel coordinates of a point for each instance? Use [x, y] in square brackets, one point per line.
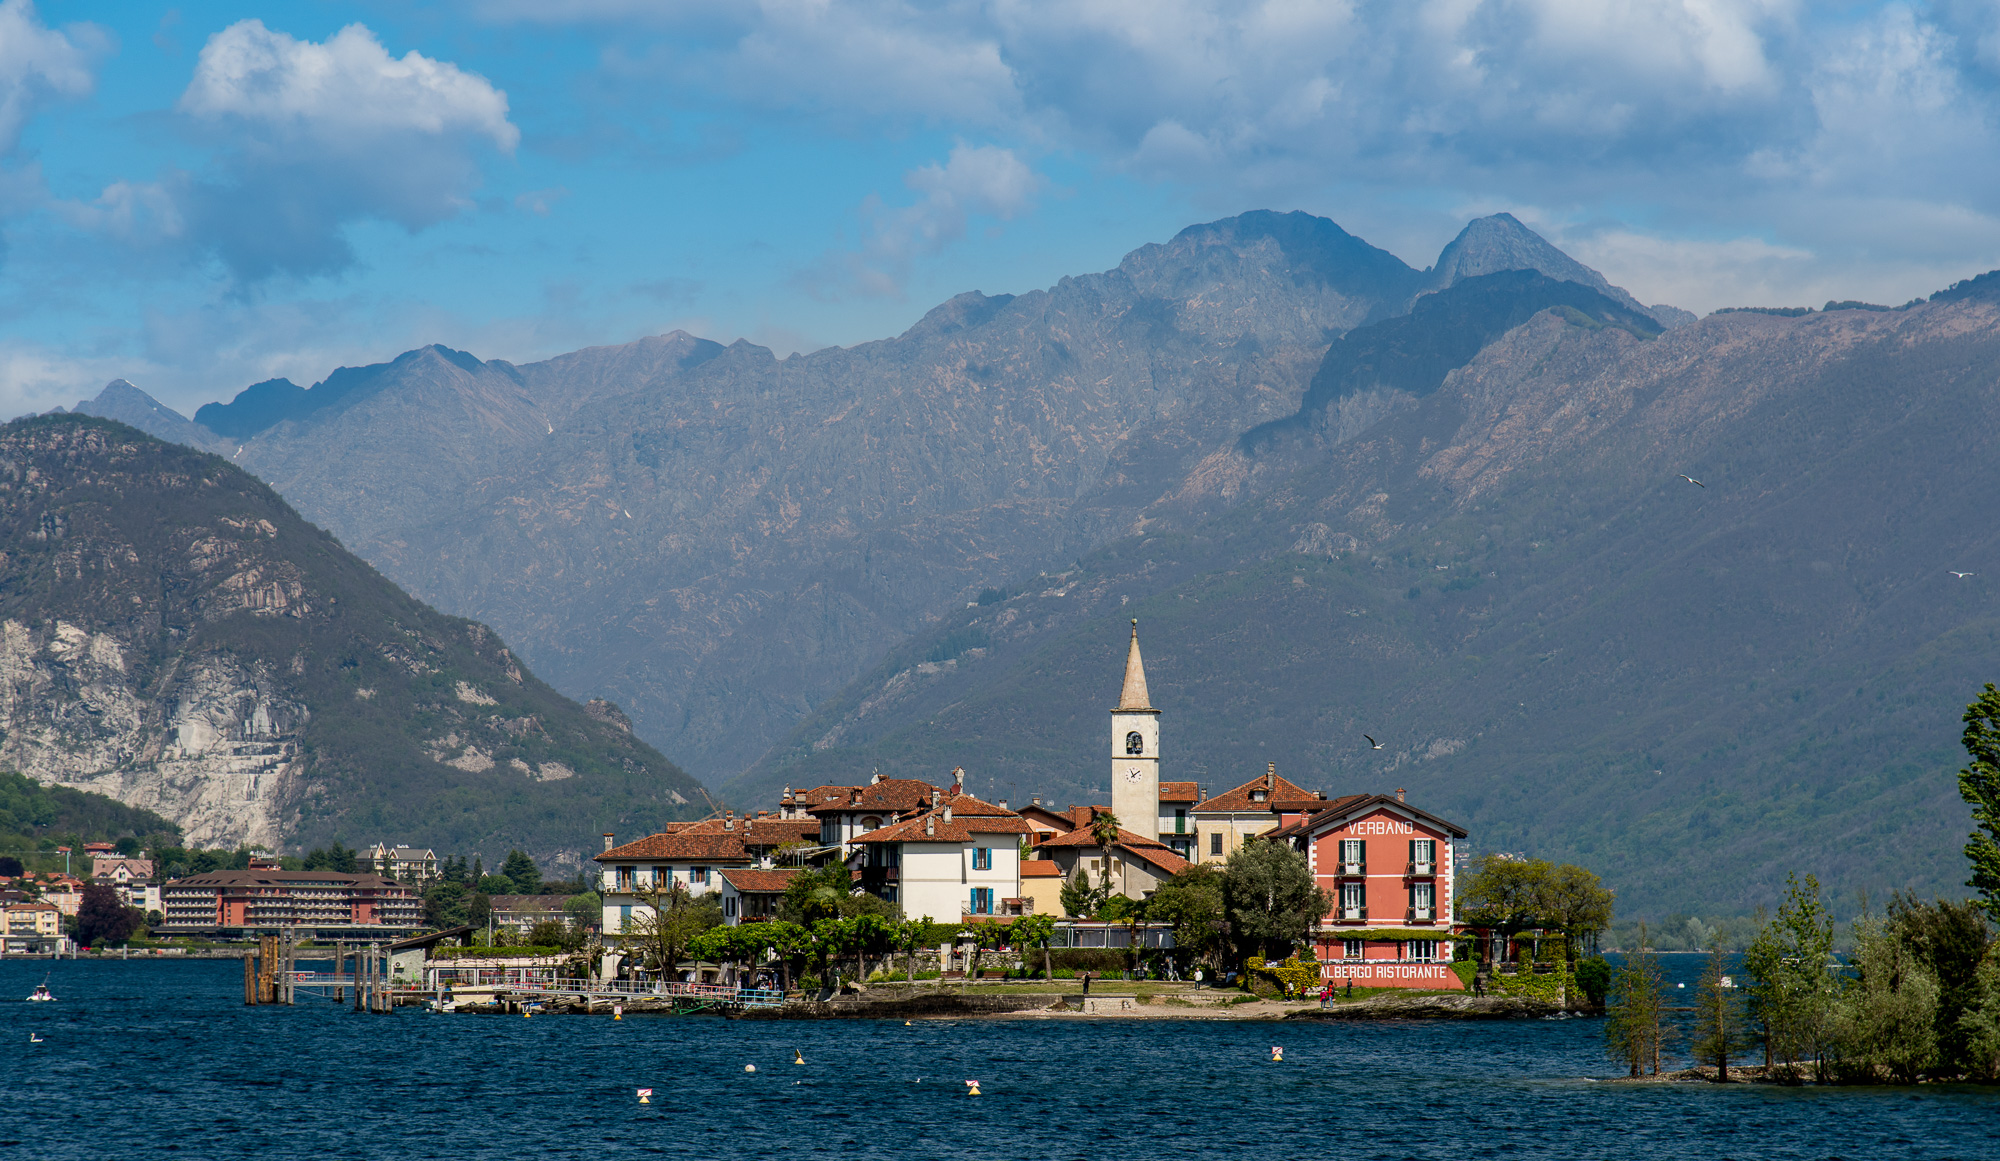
[1135, 750]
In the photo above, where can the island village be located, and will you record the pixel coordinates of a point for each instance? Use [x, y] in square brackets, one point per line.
[959, 888]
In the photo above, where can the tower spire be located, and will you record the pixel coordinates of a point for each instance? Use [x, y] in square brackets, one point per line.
[1134, 696]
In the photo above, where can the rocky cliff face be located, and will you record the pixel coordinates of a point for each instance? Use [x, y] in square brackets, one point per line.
[718, 539]
[173, 636]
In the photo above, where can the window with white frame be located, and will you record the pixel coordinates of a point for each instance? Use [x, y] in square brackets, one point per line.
[1422, 898]
[1353, 852]
[1353, 948]
[1421, 950]
[1423, 852]
[1351, 899]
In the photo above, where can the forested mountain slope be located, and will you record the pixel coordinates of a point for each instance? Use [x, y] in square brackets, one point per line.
[1565, 646]
[174, 636]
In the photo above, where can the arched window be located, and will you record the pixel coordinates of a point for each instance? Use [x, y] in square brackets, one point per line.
[1135, 743]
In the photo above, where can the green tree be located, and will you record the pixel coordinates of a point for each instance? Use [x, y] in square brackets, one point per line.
[1270, 898]
[1079, 898]
[1718, 1018]
[1981, 1023]
[102, 920]
[1634, 1029]
[1030, 932]
[1104, 829]
[1505, 895]
[1575, 902]
[1593, 979]
[816, 893]
[1887, 1021]
[1192, 902]
[522, 872]
[585, 910]
[1979, 785]
[1792, 994]
[444, 906]
[555, 933]
[478, 908]
[1952, 942]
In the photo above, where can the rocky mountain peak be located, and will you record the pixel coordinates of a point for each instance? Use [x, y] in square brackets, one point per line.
[1500, 242]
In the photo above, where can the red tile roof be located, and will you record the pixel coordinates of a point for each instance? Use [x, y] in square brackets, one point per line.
[711, 848]
[1151, 850]
[888, 795]
[1179, 792]
[1282, 794]
[1040, 869]
[757, 831]
[756, 881]
[970, 816]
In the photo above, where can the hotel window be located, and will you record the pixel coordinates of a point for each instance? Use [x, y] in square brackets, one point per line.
[1421, 897]
[1423, 852]
[1351, 900]
[982, 900]
[982, 858]
[1421, 950]
[1353, 852]
[1215, 843]
[698, 875]
[1353, 948]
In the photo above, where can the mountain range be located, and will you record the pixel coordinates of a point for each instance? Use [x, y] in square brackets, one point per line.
[1441, 506]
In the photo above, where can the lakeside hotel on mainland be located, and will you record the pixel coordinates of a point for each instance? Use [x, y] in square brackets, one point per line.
[939, 852]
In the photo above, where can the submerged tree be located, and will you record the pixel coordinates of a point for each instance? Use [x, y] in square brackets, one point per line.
[1718, 1018]
[1634, 1030]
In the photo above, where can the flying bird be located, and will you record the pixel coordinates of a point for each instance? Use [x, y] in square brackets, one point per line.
[1691, 480]
[1961, 575]
[1372, 743]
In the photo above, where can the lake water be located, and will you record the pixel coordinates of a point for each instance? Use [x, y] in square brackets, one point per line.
[161, 1058]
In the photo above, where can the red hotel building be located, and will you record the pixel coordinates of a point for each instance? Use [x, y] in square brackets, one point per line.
[237, 903]
[1387, 866]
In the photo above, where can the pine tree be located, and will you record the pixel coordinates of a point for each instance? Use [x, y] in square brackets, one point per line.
[1979, 785]
[1718, 1018]
[1633, 1030]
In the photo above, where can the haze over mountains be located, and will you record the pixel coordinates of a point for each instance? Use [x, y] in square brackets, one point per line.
[1343, 494]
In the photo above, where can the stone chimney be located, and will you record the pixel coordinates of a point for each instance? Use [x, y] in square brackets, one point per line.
[947, 812]
[1399, 794]
[934, 797]
[875, 777]
[1003, 804]
[1036, 800]
[728, 820]
[607, 840]
[930, 824]
[958, 779]
[1270, 776]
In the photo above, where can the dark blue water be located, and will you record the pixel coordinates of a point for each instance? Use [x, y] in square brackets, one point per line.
[157, 1059]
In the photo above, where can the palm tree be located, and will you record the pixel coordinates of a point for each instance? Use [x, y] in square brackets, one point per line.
[1104, 828]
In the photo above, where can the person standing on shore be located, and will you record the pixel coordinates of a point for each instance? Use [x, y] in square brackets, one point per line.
[1197, 979]
[1086, 983]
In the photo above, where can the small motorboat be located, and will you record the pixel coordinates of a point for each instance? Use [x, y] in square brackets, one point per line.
[41, 994]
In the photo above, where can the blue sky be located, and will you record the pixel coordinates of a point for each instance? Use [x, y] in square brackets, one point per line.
[195, 196]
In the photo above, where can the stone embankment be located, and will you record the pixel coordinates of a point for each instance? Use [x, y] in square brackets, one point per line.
[1432, 1006]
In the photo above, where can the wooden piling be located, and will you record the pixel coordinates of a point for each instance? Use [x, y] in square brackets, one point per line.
[339, 966]
[250, 977]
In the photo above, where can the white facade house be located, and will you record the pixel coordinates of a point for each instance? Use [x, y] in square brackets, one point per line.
[956, 861]
[629, 874]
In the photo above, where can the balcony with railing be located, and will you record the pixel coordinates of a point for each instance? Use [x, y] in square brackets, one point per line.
[1422, 870]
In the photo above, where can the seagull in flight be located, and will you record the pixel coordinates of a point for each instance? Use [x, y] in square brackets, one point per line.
[1691, 479]
[1372, 743]
[1961, 575]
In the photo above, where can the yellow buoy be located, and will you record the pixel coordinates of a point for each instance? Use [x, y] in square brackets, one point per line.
[798, 1057]
[1277, 1054]
[749, 1068]
[645, 1096]
[972, 1088]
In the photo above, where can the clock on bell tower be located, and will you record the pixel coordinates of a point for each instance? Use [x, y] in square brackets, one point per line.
[1135, 750]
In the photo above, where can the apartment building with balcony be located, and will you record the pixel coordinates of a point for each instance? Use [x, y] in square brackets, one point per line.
[321, 904]
[1388, 869]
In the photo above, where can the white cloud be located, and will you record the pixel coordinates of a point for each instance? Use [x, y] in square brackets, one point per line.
[975, 181]
[347, 91]
[38, 63]
[307, 139]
